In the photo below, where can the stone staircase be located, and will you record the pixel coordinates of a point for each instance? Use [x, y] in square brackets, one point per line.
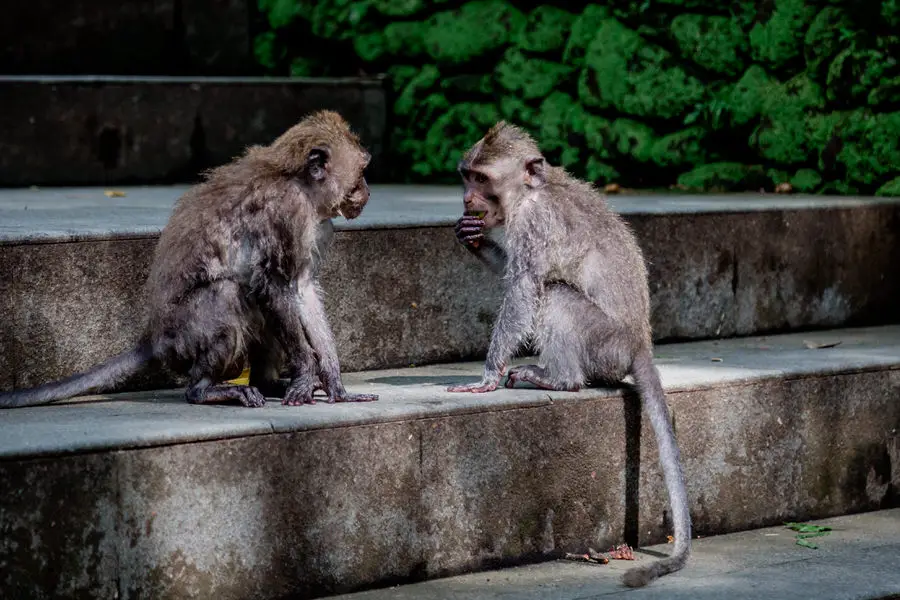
[138, 494]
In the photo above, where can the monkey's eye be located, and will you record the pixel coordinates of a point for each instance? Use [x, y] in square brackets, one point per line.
[479, 177]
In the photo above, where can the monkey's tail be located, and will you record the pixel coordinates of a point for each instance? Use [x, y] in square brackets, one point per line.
[105, 375]
[654, 400]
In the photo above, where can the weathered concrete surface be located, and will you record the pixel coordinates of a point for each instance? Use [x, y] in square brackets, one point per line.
[163, 37]
[315, 500]
[112, 130]
[407, 293]
[65, 214]
[153, 418]
[856, 561]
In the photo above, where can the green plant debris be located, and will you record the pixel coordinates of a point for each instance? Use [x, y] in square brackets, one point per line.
[806, 531]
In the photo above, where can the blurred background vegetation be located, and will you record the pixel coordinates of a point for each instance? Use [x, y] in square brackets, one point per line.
[708, 94]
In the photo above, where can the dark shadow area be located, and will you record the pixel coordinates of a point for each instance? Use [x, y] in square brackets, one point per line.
[632, 411]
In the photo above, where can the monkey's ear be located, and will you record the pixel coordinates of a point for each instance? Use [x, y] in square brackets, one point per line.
[534, 172]
[317, 163]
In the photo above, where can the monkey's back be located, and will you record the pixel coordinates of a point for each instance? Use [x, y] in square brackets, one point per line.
[588, 246]
[236, 226]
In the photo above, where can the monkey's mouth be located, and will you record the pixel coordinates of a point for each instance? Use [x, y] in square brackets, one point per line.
[476, 213]
[352, 205]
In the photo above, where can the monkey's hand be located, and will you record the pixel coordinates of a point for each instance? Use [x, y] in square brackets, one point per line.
[469, 231]
[489, 382]
[300, 391]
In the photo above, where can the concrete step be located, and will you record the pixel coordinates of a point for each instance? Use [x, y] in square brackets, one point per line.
[856, 561]
[111, 37]
[401, 290]
[93, 130]
[142, 495]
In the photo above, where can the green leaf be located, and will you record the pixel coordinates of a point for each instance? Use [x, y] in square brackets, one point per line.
[807, 528]
[802, 542]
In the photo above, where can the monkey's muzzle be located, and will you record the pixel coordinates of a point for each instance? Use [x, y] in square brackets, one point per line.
[354, 202]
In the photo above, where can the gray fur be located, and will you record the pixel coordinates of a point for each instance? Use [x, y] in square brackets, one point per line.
[576, 282]
[234, 274]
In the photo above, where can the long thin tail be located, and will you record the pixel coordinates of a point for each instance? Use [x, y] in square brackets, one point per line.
[103, 376]
[654, 400]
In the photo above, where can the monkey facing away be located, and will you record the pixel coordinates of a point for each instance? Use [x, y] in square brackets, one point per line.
[575, 278]
[233, 277]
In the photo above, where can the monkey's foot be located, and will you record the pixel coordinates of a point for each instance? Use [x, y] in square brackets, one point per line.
[247, 395]
[297, 395]
[537, 376]
[348, 397]
[474, 388]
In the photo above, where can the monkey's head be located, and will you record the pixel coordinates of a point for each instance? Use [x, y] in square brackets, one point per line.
[498, 171]
[326, 157]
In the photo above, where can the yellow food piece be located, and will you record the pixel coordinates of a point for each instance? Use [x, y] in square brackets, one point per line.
[244, 378]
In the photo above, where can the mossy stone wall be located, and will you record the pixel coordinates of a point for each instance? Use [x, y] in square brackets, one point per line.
[708, 94]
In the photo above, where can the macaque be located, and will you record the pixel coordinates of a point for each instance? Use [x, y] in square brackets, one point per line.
[234, 276]
[576, 281]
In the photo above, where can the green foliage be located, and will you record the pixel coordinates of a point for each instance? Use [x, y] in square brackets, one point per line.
[399, 8]
[725, 176]
[281, 12]
[475, 29]
[854, 72]
[826, 37]
[682, 148]
[730, 96]
[783, 134]
[890, 12]
[530, 77]
[747, 98]
[625, 72]
[780, 39]
[584, 29]
[716, 43]
[546, 30]
[806, 180]
[777, 176]
[891, 188]
[870, 146]
[264, 49]
[460, 127]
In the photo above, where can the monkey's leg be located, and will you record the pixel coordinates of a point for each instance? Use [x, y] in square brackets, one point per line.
[202, 391]
[209, 329]
[516, 316]
[303, 329]
[563, 326]
[539, 376]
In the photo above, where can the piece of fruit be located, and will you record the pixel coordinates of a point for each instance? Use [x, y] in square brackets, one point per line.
[243, 379]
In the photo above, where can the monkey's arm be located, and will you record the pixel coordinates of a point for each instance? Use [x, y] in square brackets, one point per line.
[318, 332]
[514, 321]
[469, 232]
